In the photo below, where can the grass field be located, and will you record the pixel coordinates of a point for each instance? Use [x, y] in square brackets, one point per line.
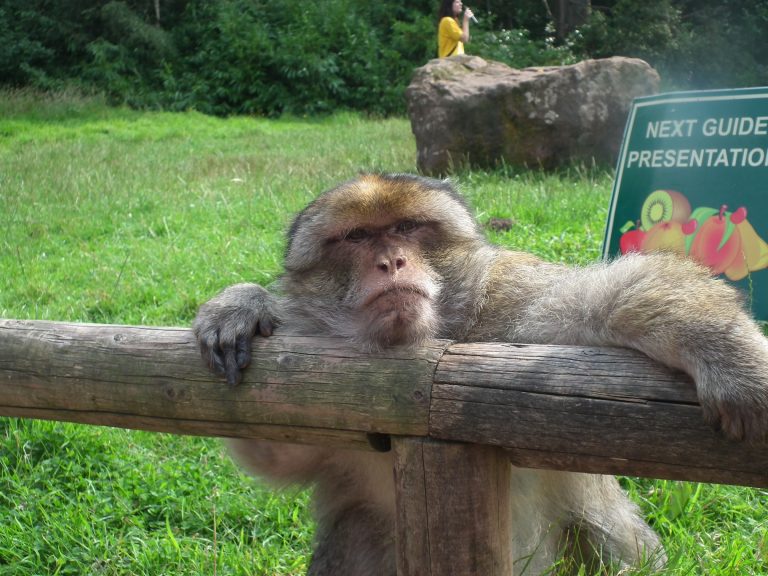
[117, 216]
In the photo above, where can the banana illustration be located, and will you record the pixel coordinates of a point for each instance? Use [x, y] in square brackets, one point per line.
[755, 248]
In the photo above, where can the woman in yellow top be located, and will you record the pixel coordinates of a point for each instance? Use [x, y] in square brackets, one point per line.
[451, 38]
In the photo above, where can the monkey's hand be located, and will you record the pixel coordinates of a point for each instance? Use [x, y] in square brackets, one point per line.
[669, 308]
[732, 384]
[226, 325]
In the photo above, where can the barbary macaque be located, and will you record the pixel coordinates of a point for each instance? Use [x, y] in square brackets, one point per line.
[393, 260]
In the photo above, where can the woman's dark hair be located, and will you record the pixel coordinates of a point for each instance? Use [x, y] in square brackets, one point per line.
[446, 9]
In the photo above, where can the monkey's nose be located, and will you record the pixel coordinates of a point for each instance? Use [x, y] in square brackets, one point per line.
[393, 264]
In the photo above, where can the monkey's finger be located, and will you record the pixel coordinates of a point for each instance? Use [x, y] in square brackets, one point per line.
[711, 414]
[265, 327]
[745, 423]
[755, 427]
[230, 368]
[736, 422]
[732, 425]
[213, 357]
[243, 352]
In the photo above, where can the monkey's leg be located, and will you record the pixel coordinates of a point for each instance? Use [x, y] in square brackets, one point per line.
[280, 463]
[356, 541]
[607, 528]
[586, 518]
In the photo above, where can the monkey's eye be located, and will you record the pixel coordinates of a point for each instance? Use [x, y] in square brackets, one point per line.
[406, 226]
[357, 235]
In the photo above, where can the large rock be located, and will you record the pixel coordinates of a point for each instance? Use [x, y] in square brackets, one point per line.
[466, 110]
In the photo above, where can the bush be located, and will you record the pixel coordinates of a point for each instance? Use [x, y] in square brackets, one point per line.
[284, 57]
[281, 56]
[21, 56]
[705, 44]
[518, 50]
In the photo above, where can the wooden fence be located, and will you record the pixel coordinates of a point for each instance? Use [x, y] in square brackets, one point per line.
[453, 413]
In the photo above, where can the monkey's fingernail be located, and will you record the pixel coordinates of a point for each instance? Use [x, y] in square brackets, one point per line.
[216, 363]
[233, 375]
[265, 328]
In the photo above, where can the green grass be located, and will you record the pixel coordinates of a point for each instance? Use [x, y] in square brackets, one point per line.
[113, 215]
[80, 501]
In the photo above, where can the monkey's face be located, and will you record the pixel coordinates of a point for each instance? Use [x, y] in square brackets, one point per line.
[387, 286]
[364, 259]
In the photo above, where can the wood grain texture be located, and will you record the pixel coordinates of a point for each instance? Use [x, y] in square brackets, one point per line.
[297, 389]
[453, 512]
[600, 410]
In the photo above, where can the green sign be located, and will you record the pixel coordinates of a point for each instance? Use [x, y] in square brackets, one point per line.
[692, 178]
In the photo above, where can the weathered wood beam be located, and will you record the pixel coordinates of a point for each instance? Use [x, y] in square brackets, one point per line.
[298, 389]
[584, 409]
[601, 410]
[453, 512]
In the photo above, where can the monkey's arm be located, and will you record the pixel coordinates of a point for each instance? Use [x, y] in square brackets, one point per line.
[226, 324]
[670, 309]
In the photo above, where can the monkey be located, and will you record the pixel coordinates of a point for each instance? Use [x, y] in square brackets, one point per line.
[394, 260]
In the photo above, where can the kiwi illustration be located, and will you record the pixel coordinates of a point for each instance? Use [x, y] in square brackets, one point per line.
[664, 206]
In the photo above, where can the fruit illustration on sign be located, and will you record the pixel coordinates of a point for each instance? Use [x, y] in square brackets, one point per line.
[723, 241]
[632, 238]
[667, 236]
[754, 248]
[715, 244]
[664, 206]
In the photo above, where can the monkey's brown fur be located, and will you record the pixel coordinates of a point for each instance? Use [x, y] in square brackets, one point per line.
[395, 259]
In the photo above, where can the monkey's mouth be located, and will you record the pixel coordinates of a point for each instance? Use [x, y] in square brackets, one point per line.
[397, 314]
[399, 293]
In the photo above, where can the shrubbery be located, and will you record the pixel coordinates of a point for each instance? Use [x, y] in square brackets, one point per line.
[693, 43]
[516, 48]
[284, 56]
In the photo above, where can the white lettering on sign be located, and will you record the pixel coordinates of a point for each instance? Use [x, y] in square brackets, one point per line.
[744, 126]
[708, 155]
[699, 158]
[670, 128]
[711, 127]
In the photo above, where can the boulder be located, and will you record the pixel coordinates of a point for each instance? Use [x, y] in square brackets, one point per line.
[466, 110]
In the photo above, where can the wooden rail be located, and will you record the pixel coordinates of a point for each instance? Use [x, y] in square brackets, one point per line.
[599, 410]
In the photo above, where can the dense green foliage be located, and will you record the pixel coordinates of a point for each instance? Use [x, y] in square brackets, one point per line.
[693, 43]
[114, 215]
[284, 56]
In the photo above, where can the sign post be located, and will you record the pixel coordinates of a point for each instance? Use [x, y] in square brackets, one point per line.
[692, 178]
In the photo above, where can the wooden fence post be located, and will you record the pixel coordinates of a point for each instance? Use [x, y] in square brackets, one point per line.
[453, 510]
